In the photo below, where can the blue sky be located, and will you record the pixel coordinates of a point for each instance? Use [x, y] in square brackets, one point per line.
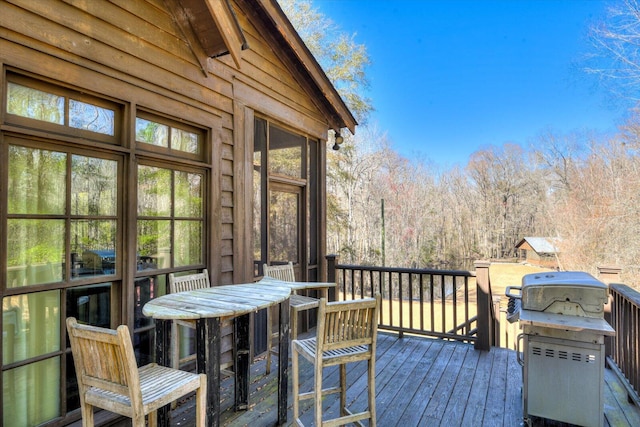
[450, 77]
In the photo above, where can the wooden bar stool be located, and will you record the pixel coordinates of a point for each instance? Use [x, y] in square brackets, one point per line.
[346, 332]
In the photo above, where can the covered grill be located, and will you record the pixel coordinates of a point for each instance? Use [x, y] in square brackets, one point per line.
[561, 315]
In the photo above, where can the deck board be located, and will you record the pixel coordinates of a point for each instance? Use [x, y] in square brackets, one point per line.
[419, 382]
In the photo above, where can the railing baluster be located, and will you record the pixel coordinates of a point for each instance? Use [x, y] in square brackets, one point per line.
[397, 287]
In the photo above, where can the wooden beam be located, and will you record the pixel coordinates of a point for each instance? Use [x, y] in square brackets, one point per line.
[228, 26]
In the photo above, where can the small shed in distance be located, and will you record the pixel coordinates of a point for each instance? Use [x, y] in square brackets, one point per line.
[540, 251]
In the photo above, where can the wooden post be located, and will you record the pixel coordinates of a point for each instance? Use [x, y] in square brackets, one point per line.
[484, 302]
[332, 261]
[608, 274]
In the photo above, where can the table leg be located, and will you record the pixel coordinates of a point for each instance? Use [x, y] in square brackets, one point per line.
[283, 362]
[163, 358]
[208, 337]
[241, 362]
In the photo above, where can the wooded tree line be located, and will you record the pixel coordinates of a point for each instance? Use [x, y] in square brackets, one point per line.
[583, 187]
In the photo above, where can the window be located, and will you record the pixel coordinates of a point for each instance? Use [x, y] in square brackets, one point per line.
[170, 217]
[61, 110]
[62, 229]
[64, 221]
[166, 136]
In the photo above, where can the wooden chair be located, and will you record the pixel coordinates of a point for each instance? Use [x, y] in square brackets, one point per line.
[188, 282]
[346, 332]
[109, 378]
[297, 303]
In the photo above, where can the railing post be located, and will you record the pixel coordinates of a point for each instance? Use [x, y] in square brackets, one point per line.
[332, 261]
[484, 301]
[609, 274]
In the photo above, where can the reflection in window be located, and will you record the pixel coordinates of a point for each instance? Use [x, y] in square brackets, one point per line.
[35, 104]
[37, 179]
[91, 304]
[170, 218]
[35, 250]
[48, 107]
[154, 191]
[152, 133]
[154, 244]
[31, 394]
[188, 243]
[91, 117]
[162, 135]
[93, 186]
[30, 325]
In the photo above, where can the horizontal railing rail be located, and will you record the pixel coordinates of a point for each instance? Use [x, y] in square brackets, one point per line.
[625, 346]
[436, 303]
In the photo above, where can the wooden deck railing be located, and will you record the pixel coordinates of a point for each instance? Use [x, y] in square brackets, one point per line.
[625, 345]
[436, 303]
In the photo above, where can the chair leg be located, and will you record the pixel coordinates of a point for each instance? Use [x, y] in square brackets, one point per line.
[87, 415]
[343, 390]
[294, 323]
[138, 421]
[295, 384]
[201, 402]
[372, 391]
[317, 399]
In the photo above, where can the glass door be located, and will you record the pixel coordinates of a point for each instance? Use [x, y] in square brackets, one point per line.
[285, 229]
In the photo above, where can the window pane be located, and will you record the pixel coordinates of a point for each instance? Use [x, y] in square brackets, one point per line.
[182, 140]
[93, 245]
[30, 325]
[37, 180]
[94, 189]
[188, 195]
[91, 305]
[91, 117]
[285, 152]
[154, 243]
[154, 191]
[146, 289]
[152, 133]
[188, 243]
[35, 104]
[31, 394]
[35, 250]
[283, 227]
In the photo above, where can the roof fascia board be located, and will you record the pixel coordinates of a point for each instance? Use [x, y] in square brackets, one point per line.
[307, 61]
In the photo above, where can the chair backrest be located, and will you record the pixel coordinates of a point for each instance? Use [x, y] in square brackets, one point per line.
[189, 282]
[104, 359]
[345, 324]
[283, 272]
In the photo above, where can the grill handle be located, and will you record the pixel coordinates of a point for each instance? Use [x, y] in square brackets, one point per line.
[519, 355]
[515, 303]
[508, 292]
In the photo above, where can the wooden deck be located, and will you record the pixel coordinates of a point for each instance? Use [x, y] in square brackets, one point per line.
[419, 382]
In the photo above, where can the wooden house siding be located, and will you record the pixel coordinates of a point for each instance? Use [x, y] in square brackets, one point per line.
[136, 54]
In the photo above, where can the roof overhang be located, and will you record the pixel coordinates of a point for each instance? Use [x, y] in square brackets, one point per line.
[212, 24]
[212, 29]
